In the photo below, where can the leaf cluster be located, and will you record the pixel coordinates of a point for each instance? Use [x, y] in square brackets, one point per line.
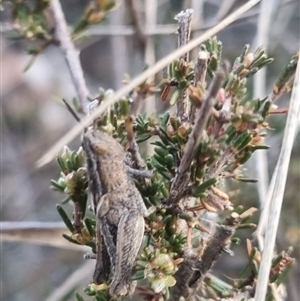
[235, 130]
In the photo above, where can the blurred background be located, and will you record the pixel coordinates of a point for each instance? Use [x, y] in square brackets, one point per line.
[135, 34]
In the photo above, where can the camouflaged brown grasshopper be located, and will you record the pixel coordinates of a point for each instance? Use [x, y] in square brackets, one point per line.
[120, 211]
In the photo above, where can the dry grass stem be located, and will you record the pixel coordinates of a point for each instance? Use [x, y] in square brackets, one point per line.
[42, 233]
[264, 21]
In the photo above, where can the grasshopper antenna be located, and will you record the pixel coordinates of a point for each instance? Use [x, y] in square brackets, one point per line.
[71, 110]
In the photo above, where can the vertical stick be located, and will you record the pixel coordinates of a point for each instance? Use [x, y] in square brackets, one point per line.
[259, 89]
[184, 19]
[119, 48]
[71, 54]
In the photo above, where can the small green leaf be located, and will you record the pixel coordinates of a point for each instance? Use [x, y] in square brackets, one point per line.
[247, 226]
[241, 139]
[138, 275]
[164, 120]
[259, 52]
[245, 142]
[65, 218]
[245, 158]
[159, 159]
[230, 136]
[245, 52]
[266, 109]
[239, 69]
[200, 172]
[82, 205]
[201, 188]
[143, 137]
[198, 150]
[261, 146]
[252, 72]
[88, 224]
[162, 152]
[174, 97]
[57, 186]
[164, 190]
[236, 240]
[166, 175]
[183, 84]
[70, 239]
[169, 160]
[246, 180]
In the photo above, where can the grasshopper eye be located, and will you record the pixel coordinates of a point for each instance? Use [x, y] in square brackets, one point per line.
[100, 149]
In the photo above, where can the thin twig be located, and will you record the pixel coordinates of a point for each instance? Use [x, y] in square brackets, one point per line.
[182, 176]
[259, 90]
[200, 75]
[151, 13]
[280, 87]
[42, 233]
[137, 22]
[76, 130]
[260, 231]
[215, 169]
[278, 191]
[137, 160]
[222, 117]
[150, 20]
[193, 270]
[184, 19]
[201, 68]
[198, 17]
[119, 47]
[71, 54]
[198, 20]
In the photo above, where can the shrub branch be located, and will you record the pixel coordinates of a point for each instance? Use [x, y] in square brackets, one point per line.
[71, 54]
[181, 179]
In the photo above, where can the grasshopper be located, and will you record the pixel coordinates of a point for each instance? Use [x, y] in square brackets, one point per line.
[119, 209]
